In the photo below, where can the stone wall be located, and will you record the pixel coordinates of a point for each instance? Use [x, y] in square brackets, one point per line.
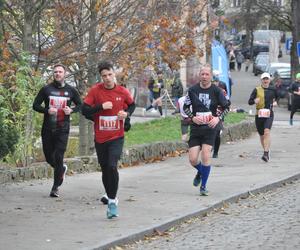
[131, 156]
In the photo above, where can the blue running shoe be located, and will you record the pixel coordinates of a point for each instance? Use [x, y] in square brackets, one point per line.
[203, 191]
[112, 210]
[197, 179]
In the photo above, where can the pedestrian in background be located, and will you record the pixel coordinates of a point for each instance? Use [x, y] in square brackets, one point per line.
[247, 64]
[109, 104]
[204, 98]
[223, 88]
[177, 90]
[155, 87]
[231, 60]
[185, 121]
[57, 99]
[264, 97]
[239, 60]
[295, 88]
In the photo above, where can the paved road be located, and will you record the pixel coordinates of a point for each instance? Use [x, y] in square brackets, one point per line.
[267, 221]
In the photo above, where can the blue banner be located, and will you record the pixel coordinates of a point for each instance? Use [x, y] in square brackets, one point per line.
[220, 63]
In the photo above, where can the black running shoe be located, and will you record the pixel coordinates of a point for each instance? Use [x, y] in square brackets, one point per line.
[104, 199]
[54, 192]
[63, 174]
[197, 180]
[266, 157]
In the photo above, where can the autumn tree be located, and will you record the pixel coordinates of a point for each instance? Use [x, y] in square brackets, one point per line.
[80, 33]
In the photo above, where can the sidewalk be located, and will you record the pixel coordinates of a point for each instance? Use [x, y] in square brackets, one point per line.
[151, 196]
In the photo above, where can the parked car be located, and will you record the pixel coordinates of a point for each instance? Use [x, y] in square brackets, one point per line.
[260, 63]
[257, 48]
[272, 67]
[282, 82]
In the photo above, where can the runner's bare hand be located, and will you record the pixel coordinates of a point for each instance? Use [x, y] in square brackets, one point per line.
[213, 122]
[107, 105]
[197, 119]
[122, 114]
[67, 110]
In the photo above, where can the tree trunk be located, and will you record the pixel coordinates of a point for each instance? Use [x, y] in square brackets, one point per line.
[296, 37]
[87, 146]
[28, 140]
[27, 27]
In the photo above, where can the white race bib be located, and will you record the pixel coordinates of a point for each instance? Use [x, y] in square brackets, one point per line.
[264, 113]
[110, 123]
[205, 117]
[58, 102]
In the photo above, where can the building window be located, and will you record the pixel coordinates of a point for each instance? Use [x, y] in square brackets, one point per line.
[278, 2]
[215, 3]
[236, 3]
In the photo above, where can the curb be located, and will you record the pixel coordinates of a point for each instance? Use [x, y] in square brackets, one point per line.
[201, 213]
[131, 156]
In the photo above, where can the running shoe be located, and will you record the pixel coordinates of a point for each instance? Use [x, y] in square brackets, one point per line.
[266, 157]
[112, 210]
[104, 199]
[203, 191]
[63, 175]
[197, 179]
[54, 192]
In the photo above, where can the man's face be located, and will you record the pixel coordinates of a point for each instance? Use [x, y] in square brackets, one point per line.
[59, 74]
[108, 77]
[205, 76]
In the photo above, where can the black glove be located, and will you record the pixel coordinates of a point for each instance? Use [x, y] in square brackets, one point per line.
[127, 124]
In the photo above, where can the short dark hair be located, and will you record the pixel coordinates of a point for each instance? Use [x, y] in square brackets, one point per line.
[105, 65]
[60, 65]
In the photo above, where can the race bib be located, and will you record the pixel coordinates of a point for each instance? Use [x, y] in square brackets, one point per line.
[264, 113]
[58, 102]
[205, 117]
[110, 123]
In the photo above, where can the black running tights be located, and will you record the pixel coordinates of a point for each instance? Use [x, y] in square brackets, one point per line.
[54, 147]
[108, 154]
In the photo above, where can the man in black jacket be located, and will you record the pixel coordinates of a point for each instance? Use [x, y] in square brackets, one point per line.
[57, 98]
[204, 98]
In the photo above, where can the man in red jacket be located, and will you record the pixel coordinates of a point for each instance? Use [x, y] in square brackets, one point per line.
[106, 102]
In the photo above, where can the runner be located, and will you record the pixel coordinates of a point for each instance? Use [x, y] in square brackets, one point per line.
[296, 97]
[109, 104]
[57, 98]
[264, 97]
[222, 86]
[204, 98]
